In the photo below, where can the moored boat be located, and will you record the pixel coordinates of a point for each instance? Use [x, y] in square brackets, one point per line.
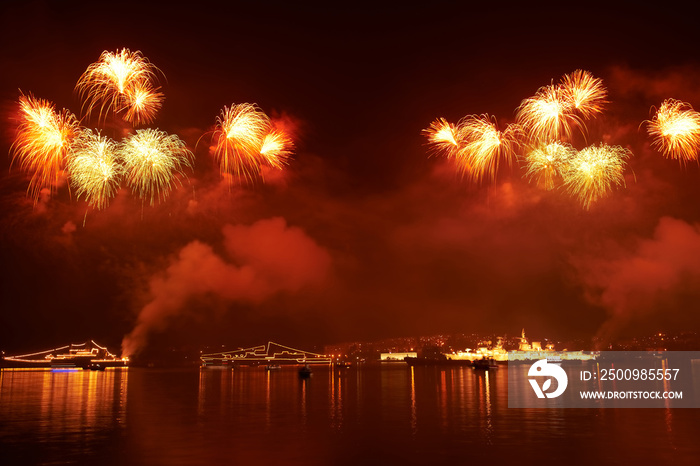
[484, 364]
[70, 357]
[305, 372]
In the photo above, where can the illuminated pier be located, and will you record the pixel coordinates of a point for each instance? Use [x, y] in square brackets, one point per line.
[272, 353]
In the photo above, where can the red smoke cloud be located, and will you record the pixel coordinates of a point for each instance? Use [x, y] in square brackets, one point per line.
[653, 87]
[263, 259]
[649, 280]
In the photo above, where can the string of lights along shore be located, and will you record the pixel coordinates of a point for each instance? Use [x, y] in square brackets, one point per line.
[542, 134]
[50, 145]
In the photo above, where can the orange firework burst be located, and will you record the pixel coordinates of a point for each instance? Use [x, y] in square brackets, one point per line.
[42, 142]
[584, 92]
[547, 163]
[547, 116]
[484, 145]
[94, 169]
[152, 160]
[121, 81]
[276, 149]
[142, 102]
[443, 137]
[676, 129]
[240, 134]
[594, 171]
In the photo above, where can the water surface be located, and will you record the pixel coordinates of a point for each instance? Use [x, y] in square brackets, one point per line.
[383, 415]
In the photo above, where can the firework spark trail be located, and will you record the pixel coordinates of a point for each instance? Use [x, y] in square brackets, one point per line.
[276, 149]
[240, 133]
[42, 142]
[584, 92]
[547, 163]
[443, 137]
[594, 171]
[547, 116]
[484, 146]
[94, 169]
[676, 130]
[118, 82]
[152, 160]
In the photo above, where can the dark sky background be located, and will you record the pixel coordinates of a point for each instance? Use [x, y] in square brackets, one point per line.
[364, 235]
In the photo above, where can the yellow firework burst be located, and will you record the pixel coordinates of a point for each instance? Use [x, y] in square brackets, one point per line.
[443, 137]
[594, 171]
[94, 169]
[547, 116]
[584, 92]
[152, 161]
[42, 142]
[676, 130]
[484, 146]
[122, 81]
[276, 149]
[239, 134]
[547, 163]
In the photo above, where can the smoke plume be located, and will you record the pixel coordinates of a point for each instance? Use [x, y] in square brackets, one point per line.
[261, 260]
[648, 281]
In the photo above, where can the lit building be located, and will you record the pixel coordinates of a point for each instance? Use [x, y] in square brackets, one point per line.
[526, 352]
[389, 357]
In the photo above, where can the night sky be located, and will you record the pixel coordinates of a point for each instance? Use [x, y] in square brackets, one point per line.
[364, 235]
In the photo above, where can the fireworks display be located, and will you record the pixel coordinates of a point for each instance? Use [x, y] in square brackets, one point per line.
[676, 130]
[443, 137]
[440, 156]
[241, 129]
[121, 82]
[479, 155]
[584, 92]
[483, 145]
[94, 169]
[594, 171]
[142, 103]
[556, 110]
[152, 161]
[42, 142]
[543, 130]
[475, 143]
[245, 141]
[546, 164]
[149, 161]
[548, 115]
[276, 149]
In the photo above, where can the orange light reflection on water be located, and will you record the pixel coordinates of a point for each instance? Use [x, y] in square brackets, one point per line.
[60, 404]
